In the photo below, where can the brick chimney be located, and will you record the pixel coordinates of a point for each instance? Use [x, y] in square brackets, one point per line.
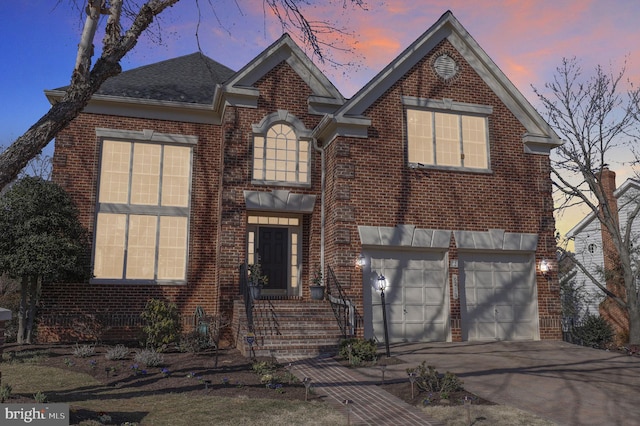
[609, 309]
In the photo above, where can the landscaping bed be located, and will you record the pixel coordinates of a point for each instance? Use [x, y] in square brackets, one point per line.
[193, 374]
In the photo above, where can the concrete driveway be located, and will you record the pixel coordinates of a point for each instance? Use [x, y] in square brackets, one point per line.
[558, 381]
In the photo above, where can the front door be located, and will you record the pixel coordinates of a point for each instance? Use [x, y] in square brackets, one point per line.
[272, 248]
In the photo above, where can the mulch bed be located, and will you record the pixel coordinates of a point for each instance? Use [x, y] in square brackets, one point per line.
[417, 397]
[191, 373]
[200, 374]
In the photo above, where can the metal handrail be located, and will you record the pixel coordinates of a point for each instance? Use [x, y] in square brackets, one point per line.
[344, 309]
[246, 294]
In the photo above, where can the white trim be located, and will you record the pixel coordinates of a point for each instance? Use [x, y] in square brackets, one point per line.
[447, 105]
[146, 135]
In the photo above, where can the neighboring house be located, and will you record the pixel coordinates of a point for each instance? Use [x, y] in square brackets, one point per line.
[588, 236]
[435, 174]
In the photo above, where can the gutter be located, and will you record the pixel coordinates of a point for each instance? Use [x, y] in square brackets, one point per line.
[322, 202]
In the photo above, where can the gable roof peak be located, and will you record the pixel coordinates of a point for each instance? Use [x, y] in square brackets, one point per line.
[539, 137]
[285, 49]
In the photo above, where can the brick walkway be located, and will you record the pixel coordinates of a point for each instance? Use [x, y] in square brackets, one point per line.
[369, 404]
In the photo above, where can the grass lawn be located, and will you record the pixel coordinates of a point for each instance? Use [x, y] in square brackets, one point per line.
[102, 391]
[144, 401]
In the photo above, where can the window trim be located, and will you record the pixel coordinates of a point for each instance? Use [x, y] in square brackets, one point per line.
[302, 134]
[448, 106]
[150, 137]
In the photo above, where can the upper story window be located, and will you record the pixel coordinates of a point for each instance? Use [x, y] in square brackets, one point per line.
[281, 150]
[454, 138]
[141, 229]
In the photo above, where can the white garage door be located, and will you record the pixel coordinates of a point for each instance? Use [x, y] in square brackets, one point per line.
[498, 297]
[416, 296]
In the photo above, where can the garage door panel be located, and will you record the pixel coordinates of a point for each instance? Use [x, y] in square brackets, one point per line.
[434, 295]
[414, 295]
[523, 313]
[484, 314]
[504, 313]
[499, 298]
[483, 295]
[416, 291]
[412, 277]
[484, 329]
[484, 279]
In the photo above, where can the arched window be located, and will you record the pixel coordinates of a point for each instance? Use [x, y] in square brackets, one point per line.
[280, 155]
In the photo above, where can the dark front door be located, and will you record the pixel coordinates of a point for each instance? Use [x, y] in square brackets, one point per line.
[273, 250]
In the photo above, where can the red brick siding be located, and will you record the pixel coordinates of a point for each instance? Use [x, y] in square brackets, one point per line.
[76, 169]
[515, 196]
[280, 89]
[368, 183]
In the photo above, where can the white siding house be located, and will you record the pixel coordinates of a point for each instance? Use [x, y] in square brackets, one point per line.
[587, 236]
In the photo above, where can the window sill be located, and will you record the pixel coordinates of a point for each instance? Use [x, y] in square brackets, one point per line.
[281, 183]
[111, 281]
[419, 166]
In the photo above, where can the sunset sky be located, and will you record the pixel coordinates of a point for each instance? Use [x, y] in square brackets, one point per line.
[526, 39]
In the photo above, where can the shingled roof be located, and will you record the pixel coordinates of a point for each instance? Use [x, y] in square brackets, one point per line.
[190, 78]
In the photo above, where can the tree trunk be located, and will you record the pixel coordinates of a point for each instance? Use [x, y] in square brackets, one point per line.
[33, 300]
[634, 314]
[22, 313]
[83, 86]
[634, 326]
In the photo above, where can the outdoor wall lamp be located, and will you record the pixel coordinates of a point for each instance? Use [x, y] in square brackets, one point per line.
[361, 261]
[545, 268]
[382, 285]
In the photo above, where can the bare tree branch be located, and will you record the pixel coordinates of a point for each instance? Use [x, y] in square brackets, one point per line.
[594, 115]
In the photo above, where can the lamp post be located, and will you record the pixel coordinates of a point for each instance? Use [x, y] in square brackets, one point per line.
[382, 285]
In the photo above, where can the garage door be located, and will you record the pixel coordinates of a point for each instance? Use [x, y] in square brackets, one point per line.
[416, 297]
[498, 297]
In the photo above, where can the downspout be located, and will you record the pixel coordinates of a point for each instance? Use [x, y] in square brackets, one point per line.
[322, 203]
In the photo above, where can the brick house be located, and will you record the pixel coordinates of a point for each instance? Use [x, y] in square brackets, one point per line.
[435, 175]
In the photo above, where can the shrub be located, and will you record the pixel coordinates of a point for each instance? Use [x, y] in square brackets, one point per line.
[5, 392]
[162, 323]
[10, 299]
[358, 351]
[40, 397]
[84, 351]
[117, 352]
[193, 342]
[264, 367]
[149, 358]
[429, 380]
[594, 332]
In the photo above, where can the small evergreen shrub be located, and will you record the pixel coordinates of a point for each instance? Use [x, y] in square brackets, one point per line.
[5, 392]
[40, 397]
[358, 351]
[162, 324]
[149, 358]
[429, 380]
[193, 342]
[594, 332]
[117, 352]
[84, 351]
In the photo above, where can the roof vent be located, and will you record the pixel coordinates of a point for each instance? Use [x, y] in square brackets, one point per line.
[445, 66]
